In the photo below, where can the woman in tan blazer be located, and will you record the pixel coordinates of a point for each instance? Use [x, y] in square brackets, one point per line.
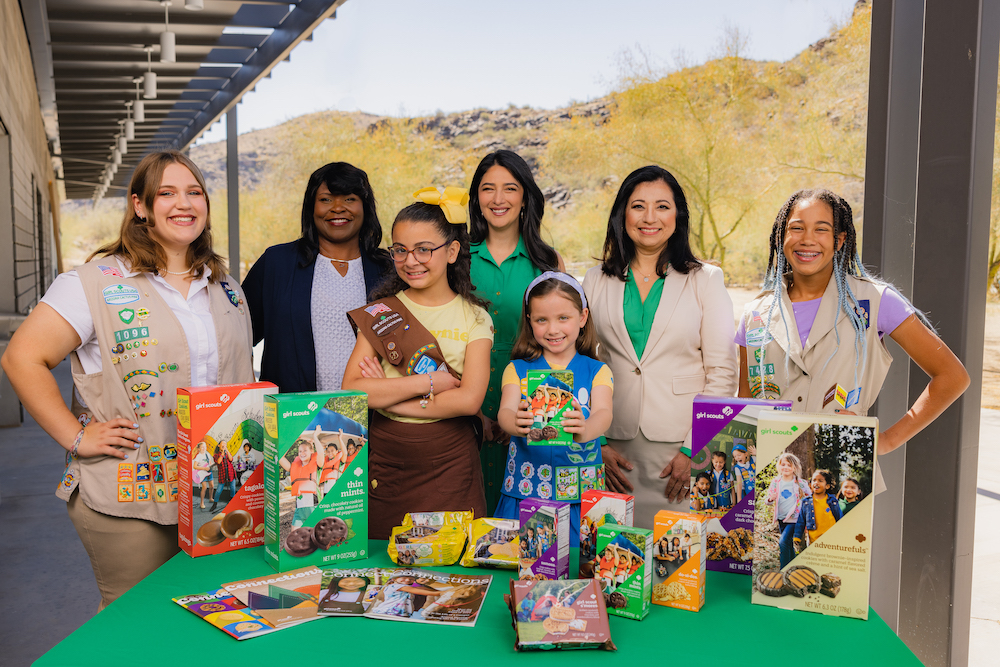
[666, 327]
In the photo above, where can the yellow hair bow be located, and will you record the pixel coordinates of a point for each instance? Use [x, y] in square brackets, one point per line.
[453, 201]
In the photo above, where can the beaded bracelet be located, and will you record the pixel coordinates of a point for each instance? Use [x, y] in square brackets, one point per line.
[76, 444]
[429, 396]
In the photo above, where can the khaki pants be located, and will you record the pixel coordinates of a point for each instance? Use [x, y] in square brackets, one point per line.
[122, 552]
[649, 459]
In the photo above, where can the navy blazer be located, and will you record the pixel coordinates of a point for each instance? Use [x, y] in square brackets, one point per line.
[279, 293]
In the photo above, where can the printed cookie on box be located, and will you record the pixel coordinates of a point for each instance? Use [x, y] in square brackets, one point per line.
[218, 478]
[625, 569]
[544, 539]
[679, 560]
[315, 478]
[549, 394]
[813, 524]
[596, 509]
[723, 470]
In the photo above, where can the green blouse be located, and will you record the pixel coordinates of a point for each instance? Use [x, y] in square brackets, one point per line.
[639, 314]
[503, 286]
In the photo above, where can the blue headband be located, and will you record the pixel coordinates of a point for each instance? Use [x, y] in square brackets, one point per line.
[561, 277]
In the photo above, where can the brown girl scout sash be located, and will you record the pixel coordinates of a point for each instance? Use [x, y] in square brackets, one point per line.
[399, 337]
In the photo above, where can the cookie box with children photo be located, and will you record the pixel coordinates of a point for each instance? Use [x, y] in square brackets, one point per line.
[813, 512]
[544, 539]
[596, 509]
[215, 473]
[315, 478]
[625, 569]
[679, 558]
[723, 469]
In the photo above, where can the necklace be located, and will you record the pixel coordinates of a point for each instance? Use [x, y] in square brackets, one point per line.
[341, 262]
[645, 278]
[179, 273]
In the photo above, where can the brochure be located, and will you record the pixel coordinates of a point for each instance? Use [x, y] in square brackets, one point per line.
[227, 613]
[282, 599]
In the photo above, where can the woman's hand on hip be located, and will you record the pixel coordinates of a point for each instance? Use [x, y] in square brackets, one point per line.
[614, 465]
[678, 475]
[104, 438]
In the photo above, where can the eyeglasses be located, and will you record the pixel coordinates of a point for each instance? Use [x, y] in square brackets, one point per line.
[421, 253]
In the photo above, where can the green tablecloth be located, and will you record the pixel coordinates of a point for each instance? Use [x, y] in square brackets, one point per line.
[145, 627]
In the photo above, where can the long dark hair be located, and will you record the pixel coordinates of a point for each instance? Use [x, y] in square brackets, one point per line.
[134, 244]
[459, 279]
[541, 254]
[341, 179]
[619, 251]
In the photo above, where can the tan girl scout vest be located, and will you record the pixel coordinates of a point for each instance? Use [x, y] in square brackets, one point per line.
[145, 358]
[809, 386]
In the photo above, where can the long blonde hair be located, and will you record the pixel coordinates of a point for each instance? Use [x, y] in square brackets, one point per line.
[136, 246]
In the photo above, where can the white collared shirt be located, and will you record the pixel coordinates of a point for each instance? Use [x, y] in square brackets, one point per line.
[66, 296]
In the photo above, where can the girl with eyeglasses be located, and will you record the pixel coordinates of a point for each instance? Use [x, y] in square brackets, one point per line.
[422, 356]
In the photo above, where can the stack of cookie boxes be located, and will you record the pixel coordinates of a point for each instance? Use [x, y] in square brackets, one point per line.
[315, 478]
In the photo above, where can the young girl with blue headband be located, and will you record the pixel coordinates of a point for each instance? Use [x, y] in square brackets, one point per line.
[556, 333]
[814, 334]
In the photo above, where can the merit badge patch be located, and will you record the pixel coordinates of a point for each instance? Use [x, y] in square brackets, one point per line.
[126, 315]
[234, 298]
[119, 295]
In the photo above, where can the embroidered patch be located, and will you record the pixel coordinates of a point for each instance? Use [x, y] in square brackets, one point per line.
[110, 271]
[142, 472]
[126, 315]
[841, 396]
[119, 295]
[142, 491]
[171, 491]
[588, 478]
[126, 493]
[508, 484]
[830, 394]
[544, 490]
[126, 472]
[140, 386]
[567, 483]
[171, 470]
[141, 371]
[160, 493]
[545, 472]
[142, 313]
[758, 336]
[387, 324]
[377, 308]
[129, 335]
[525, 487]
[169, 452]
[853, 397]
[158, 475]
[234, 298]
[527, 470]
[863, 311]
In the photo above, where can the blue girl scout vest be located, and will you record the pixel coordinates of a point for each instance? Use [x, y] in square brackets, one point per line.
[552, 472]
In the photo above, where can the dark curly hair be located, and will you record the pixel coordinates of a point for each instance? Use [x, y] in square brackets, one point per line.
[459, 279]
[619, 251]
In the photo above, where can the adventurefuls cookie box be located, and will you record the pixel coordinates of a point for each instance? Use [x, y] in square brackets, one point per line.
[723, 469]
[220, 441]
[810, 458]
[315, 478]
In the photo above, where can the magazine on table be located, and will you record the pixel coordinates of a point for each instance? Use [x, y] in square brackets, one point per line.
[225, 612]
[404, 594]
[283, 598]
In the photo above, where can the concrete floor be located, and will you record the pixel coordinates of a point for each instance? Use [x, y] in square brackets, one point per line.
[49, 589]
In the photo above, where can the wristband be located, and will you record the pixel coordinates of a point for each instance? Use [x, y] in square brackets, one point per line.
[76, 444]
[686, 451]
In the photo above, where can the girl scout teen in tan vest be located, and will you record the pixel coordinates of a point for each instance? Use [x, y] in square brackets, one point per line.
[153, 312]
[814, 334]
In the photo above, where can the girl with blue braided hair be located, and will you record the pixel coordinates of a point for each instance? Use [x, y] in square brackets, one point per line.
[814, 333]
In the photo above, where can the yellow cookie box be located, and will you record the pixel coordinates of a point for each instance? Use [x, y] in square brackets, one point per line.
[429, 538]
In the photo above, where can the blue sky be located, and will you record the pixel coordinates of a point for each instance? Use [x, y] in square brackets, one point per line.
[409, 58]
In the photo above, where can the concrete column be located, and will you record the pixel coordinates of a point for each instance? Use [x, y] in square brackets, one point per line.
[233, 192]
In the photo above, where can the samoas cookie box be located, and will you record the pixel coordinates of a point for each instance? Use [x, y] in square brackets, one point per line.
[220, 437]
[315, 478]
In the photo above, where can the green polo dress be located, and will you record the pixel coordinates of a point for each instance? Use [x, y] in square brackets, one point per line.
[503, 286]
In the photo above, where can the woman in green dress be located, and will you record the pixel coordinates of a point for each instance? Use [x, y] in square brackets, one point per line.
[505, 211]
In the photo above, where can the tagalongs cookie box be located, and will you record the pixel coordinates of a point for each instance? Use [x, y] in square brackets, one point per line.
[826, 565]
[724, 433]
[220, 442]
[315, 478]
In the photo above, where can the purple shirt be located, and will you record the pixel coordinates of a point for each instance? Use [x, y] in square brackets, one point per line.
[891, 313]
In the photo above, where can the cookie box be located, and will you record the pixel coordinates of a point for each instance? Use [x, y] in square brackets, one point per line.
[625, 569]
[596, 509]
[429, 538]
[544, 539]
[808, 461]
[549, 394]
[679, 560]
[315, 478]
[723, 470]
[218, 478]
[564, 614]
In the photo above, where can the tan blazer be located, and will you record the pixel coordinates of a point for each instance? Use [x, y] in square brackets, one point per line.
[690, 350]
